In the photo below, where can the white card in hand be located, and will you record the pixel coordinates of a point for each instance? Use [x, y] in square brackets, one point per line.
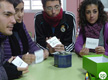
[91, 43]
[53, 41]
[39, 56]
[19, 62]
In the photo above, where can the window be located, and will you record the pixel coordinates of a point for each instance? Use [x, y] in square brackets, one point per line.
[105, 3]
[33, 5]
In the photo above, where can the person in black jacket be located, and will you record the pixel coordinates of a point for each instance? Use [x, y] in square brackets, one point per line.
[53, 21]
[8, 71]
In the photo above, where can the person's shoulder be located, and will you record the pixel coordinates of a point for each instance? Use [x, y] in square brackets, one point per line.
[106, 25]
[38, 14]
[69, 13]
[24, 26]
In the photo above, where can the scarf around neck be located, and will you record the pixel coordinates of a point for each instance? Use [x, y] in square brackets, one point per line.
[2, 37]
[53, 21]
[14, 42]
[93, 31]
[3, 75]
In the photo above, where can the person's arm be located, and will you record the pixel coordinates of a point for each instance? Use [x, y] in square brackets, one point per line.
[106, 39]
[40, 38]
[70, 34]
[29, 58]
[32, 45]
[99, 50]
[12, 71]
[79, 42]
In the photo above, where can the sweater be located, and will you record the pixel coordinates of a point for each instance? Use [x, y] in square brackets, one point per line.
[11, 69]
[81, 40]
[32, 45]
[3, 75]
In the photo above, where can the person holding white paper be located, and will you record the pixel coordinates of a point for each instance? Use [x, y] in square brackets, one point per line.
[7, 21]
[54, 44]
[53, 21]
[20, 43]
[93, 24]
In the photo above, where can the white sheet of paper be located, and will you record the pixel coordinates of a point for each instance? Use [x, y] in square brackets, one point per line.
[91, 43]
[55, 53]
[53, 41]
[19, 62]
[100, 59]
[39, 56]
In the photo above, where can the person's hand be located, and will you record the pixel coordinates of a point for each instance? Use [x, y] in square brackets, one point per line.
[24, 70]
[29, 58]
[59, 48]
[48, 46]
[46, 53]
[84, 51]
[99, 50]
[50, 49]
[11, 59]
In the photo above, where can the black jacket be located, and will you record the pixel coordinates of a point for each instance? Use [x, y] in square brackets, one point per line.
[65, 31]
[11, 71]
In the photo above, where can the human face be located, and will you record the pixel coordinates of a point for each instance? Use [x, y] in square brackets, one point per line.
[7, 19]
[52, 8]
[92, 13]
[19, 12]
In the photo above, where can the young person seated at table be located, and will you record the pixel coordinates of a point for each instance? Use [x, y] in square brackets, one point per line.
[53, 21]
[7, 21]
[93, 23]
[20, 42]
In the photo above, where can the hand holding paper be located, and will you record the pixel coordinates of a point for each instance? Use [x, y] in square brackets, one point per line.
[53, 42]
[46, 53]
[29, 58]
[91, 43]
[100, 50]
[19, 62]
[84, 51]
[39, 56]
[59, 48]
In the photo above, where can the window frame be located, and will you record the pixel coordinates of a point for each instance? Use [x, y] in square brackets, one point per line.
[33, 11]
[106, 9]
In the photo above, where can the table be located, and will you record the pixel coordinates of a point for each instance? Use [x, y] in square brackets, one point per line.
[46, 71]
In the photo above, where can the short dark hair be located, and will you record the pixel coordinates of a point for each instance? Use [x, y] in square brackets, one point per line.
[44, 2]
[16, 2]
[10, 1]
[102, 18]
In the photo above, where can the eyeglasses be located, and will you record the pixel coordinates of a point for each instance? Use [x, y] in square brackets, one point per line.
[49, 8]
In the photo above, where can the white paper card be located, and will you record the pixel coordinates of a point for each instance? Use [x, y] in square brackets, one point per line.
[91, 43]
[55, 53]
[39, 56]
[53, 41]
[100, 59]
[19, 62]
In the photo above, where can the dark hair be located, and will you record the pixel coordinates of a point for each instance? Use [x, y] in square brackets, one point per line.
[16, 2]
[10, 1]
[44, 2]
[102, 18]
